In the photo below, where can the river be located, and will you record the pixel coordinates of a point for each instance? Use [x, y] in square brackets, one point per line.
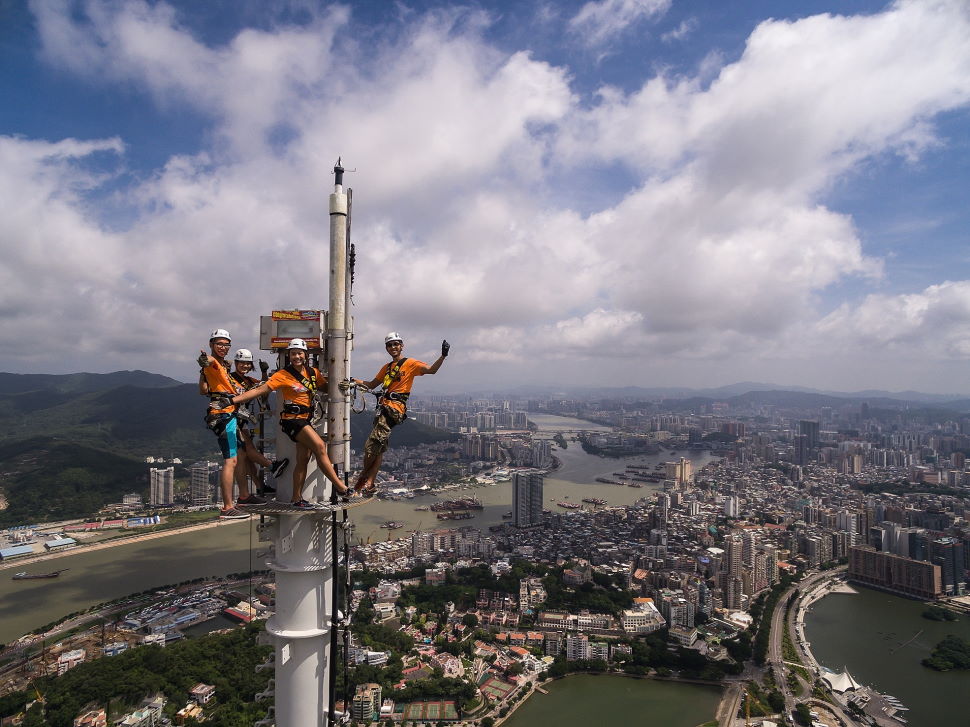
[98, 576]
[863, 632]
[574, 480]
[582, 700]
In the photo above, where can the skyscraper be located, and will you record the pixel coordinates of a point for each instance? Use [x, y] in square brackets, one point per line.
[162, 485]
[948, 554]
[527, 498]
[200, 485]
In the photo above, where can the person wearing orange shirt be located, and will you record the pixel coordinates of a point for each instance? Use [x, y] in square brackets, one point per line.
[298, 383]
[249, 456]
[215, 382]
[396, 378]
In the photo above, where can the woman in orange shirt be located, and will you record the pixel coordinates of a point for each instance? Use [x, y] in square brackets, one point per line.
[298, 383]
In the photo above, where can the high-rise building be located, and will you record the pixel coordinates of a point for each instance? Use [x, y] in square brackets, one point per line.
[527, 498]
[162, 485]
[200, 483]
[895, 573]
[367, 702]
[681, 472]
[810, 430]
[948, 554]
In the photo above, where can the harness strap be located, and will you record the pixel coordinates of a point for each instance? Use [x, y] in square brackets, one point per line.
[393, 373]
[310, 383]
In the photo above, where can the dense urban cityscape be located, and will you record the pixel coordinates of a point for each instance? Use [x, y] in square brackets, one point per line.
[694, 579]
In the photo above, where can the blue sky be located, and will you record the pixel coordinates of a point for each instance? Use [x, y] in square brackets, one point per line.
[618, 191]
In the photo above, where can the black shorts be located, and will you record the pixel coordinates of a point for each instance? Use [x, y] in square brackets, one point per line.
[292, 427]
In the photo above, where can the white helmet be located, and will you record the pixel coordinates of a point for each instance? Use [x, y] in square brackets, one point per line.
[221, 333]
[393, 336]
[244, 354]
[297, 343]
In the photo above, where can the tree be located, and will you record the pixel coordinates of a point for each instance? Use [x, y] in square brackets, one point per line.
[803, 715]
[470, 620]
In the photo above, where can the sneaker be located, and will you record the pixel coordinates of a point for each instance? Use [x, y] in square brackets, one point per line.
[278, 466]
[232, 514]
[268, 490]
[251, 500]
[304, 505]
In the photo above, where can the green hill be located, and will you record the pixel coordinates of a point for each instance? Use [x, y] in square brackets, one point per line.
[81, 383]
[71, 444]
[45, 478]
[408, 434]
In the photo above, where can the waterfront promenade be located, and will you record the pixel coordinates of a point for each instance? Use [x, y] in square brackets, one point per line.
[811, 589]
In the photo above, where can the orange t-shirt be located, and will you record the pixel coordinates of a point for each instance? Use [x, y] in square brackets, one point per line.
[293, 391]
[218, 381]
[401, 384]
[244, 383]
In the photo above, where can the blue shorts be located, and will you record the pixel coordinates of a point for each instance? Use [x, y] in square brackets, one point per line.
[229, 440]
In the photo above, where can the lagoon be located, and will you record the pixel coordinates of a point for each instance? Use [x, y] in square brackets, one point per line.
[585, 700]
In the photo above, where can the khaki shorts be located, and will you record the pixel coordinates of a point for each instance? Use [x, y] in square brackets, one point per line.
[380, 433]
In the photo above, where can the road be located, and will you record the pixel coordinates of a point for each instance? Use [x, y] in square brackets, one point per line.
[775, 649]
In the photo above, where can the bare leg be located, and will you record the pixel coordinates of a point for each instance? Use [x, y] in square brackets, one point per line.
[243, 465]
[365, 480]
[226, 477]
[253, 454]
[309, 439]
[299, 471]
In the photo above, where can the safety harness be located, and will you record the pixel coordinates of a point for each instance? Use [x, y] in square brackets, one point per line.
[392, 375]
[310, 383]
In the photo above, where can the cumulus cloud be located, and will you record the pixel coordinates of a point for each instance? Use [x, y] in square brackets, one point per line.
[600, 22]
[931, 323]
[721, 246]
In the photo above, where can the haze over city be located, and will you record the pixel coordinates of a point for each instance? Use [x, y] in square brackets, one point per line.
[621, 192]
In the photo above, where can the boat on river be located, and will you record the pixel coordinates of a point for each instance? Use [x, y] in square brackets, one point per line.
[455, 515]
[462, 503]
[25, 576]
[392, 525]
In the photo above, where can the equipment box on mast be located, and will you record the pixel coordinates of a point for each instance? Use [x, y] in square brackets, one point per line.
[277, 330]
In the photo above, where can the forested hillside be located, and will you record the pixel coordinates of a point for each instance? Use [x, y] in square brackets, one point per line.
[71, 444]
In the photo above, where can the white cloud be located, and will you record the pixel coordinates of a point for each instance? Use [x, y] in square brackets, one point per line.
[685, 28]
[720, 248]
[932, 324]
[600, 22]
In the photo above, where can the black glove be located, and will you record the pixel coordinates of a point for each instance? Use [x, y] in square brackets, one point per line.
[263, 366]
[203, 360]
[445, 347]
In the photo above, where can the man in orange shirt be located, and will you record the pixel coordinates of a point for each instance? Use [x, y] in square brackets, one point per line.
[396, 378]
[214, 382]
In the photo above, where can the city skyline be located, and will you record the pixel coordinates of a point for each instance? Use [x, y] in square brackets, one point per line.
[623, 192]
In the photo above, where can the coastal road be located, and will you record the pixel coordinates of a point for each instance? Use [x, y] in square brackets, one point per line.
[775, 648]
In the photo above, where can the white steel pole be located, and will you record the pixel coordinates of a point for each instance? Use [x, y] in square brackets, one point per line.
[305, 616]
[337, 410]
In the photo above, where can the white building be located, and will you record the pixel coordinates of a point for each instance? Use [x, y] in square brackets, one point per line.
[162, 485]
